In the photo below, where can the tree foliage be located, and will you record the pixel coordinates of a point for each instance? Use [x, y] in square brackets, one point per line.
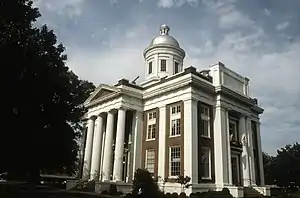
[284, 168]
[42, 97]
[144, 185]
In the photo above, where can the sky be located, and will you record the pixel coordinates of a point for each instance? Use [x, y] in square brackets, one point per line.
[105, 39]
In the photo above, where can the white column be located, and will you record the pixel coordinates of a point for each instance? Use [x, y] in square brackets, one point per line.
[228, 149]
[107, 157]
[245, 161]
[260, 158]
[119, 149]
[97, 145]
[102, 155]
[190, 140]
[220, 146]
[88, 148]
[250, 150]
[162, 141]
[137, 124]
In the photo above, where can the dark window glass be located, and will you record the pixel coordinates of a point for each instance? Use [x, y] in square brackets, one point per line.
[176, 68]
[163, 65]
[150, 68]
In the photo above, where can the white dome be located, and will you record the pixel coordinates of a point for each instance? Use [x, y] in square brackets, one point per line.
[164, 38]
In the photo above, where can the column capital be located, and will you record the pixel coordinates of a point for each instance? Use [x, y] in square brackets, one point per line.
[102, 114]
[123, 108]
[92, 117]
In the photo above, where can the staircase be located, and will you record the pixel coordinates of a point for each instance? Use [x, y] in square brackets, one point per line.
[84, 185]
[250, 192]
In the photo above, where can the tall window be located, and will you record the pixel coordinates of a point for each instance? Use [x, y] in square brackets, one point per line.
[233, 129]
[163, 65]
[151, 132]
[175, 120]
[150, 68]
[174, 167]
[175, 127]
[205, 119]
[176, 69]
[205, 162]
[150, 160]
[151, 125]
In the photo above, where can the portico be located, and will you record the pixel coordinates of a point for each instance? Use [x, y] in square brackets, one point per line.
[109, 139]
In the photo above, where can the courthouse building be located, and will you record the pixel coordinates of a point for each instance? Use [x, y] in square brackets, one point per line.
[178, 121]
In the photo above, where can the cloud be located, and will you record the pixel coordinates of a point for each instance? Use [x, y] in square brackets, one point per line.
[267, 12]
[228, 14]
[175, 3]
[70, 8]
[282, 26]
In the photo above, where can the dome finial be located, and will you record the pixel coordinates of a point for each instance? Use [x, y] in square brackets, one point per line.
[164, 29]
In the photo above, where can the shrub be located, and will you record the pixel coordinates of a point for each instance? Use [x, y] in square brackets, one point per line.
[174, 195]
[143, 185]
[182, 195]
[113, 189]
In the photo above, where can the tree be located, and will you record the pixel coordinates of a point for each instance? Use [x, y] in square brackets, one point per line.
[144, 185]
[283, 169]
[43, 98]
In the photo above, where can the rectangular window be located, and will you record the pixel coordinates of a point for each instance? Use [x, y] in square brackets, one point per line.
[176, 69]
[151, 132]
[174, 167]
[175, 127]
[150, 160]
[150, 68]
[205, 119]
[151, 115]
[205, 162]
[233, 130]
[175, 109]
[163, 65]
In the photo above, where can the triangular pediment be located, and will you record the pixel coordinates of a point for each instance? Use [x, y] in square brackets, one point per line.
[101, 92]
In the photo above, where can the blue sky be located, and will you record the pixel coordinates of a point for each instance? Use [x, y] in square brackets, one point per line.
[259, 39]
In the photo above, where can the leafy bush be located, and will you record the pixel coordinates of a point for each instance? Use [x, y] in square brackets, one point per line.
[174, 195]
[182, 195]
[144, 185]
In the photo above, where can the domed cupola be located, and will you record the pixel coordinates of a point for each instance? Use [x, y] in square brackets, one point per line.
[163, 57]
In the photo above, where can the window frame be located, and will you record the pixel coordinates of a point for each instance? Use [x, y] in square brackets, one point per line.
[175, 115]
[205, 118]
[150, 68]
[161, 65]
[236, 124]
[146, 160]
[176, 66]
[170, 160]
[209, 163]
[152, 127]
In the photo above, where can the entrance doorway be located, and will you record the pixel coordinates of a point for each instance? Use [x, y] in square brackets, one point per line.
[235, 169]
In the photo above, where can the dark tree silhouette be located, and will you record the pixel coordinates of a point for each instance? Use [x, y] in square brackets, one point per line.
[144, 185]
[284, 168]
[41, 108]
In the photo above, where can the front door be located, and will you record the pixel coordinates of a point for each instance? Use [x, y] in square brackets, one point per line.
[235, 169]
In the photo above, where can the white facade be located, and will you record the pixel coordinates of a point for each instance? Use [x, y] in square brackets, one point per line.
[178, 121]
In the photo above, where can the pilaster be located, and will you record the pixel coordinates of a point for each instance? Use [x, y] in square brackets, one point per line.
[190, 140]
